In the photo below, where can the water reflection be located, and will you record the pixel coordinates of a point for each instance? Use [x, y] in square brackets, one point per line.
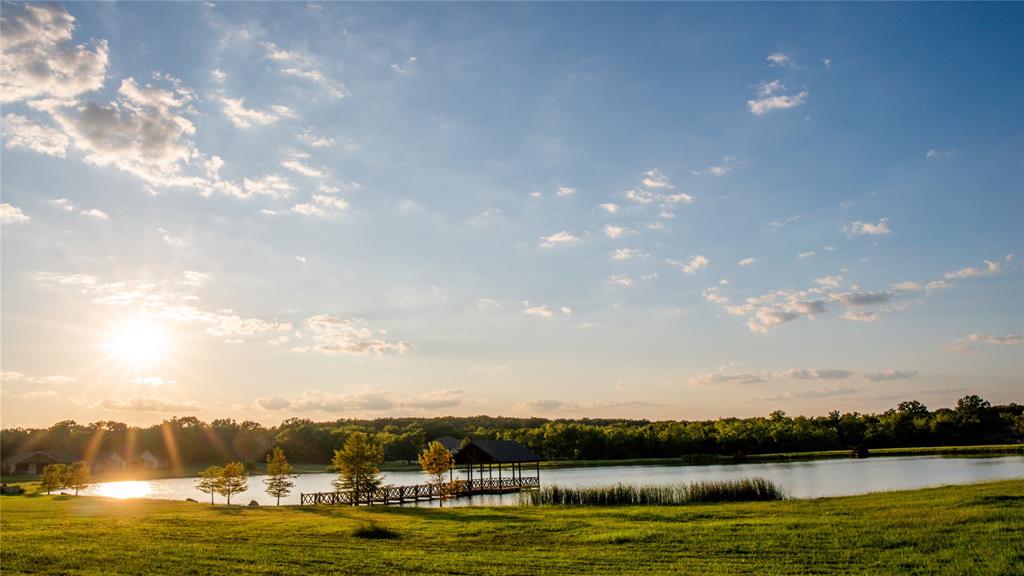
[798, 479]
[127, 489]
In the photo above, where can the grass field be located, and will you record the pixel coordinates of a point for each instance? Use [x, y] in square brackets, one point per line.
[973, 529]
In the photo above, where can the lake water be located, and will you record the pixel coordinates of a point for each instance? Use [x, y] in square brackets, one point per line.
[799, 479]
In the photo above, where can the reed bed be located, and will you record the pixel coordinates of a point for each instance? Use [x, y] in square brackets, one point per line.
[743, 490]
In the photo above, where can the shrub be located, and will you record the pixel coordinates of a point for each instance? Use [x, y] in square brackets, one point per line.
[743, 490]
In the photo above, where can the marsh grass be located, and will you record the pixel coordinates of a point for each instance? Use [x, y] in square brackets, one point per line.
[743, 490]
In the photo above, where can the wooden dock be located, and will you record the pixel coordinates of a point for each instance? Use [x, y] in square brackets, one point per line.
[420, 492]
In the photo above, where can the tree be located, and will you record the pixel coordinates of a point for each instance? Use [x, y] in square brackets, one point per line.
[358, 466]
[436, 461]
[279, 475]
[209, 481]
[53, 477]
[77, 476]
[233, 479]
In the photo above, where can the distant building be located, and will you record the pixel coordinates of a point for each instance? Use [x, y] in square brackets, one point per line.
[34, 462]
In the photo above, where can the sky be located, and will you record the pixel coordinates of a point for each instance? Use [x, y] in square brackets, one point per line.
[666, 211]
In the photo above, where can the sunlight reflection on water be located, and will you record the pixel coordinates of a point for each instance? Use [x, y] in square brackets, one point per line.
[127, 489]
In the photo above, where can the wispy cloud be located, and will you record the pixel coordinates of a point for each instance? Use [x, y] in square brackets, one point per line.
[557, 239]
[858, 228]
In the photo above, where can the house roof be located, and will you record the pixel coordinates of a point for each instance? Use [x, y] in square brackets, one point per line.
[480, 451]
[39, 456]
[450, 442]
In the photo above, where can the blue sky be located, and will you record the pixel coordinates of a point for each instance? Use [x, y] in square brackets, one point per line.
[261, 210]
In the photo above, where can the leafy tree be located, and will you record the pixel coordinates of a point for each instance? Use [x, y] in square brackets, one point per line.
[233, 479]
[53, 477]
[436, 460]
[209, 481]
[279, 475]
[77, 476]
[358, 466]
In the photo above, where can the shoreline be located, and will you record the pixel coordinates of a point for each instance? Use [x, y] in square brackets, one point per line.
[688, 460]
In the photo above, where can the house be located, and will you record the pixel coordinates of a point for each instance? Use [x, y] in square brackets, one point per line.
[109, 462]
[149, 461]
[33, 462]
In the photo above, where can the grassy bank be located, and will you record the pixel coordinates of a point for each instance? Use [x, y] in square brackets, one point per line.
[972, 529]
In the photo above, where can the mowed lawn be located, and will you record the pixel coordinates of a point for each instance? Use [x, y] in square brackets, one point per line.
[974, 529]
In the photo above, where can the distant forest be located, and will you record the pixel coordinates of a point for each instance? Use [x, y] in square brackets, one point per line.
[190, 441]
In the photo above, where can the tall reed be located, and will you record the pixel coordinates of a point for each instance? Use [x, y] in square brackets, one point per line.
[742, 490]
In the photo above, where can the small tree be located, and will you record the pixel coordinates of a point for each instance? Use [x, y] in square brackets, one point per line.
[233, 479]
[209, 481]
[279, 475]
[77, 476]
[53, 477]
[436, 460]
[358, 466]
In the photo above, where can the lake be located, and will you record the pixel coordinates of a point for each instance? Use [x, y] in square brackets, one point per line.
[808, 479]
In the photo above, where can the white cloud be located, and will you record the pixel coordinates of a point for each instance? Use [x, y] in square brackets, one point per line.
[296, 165]
[655, 179]
[778, 59]
[772, 99]
[242, 117]
[405, 67]
[20, 132]
[826, 62]
[12, 214]
[566, 310]
[337, 335]
[609, 207]
[934, 154]
[564, 191]
[834, 281]
[747, 261]
[172, 241]
[302, 65]
[409, 205]
[620, 280]
[271, 185]
[310, 139]
[813, 374]
[322, 205]
[38, 58]
[719, 378]
[96, 213]
[859, 228]
[542, 311]
[557, 239]
[144, 131]
[621, 254]
[991, 267]
[862, 298]
[803, 255]
[1010, 340]
[712, 294]
[777, 225]
[890, 374]
[860, 316]
[218, 76]
[694, 264]
[613, 231]
[63, 203]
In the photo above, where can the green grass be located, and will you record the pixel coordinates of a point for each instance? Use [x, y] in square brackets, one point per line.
[742, 490]
[974, 529]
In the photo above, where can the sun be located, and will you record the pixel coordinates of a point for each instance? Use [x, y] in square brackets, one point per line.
[138, 343]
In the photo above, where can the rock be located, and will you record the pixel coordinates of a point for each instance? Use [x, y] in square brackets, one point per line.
[253, 503]
[189, 500]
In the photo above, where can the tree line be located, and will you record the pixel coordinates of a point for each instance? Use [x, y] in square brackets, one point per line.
[189, 441]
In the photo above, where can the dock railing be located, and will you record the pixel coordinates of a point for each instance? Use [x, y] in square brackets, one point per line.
[417, 492]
